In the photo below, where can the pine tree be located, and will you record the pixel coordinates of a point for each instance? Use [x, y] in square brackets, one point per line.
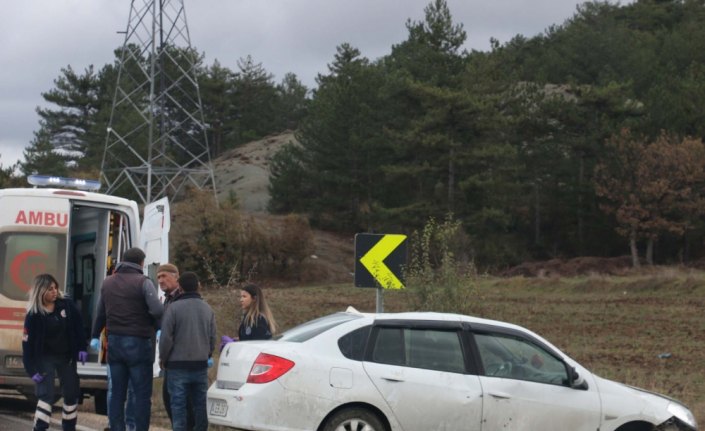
[437, 119]
[254, 99]
[41, 156]
[217, 89]
[340, 146]
[68, 127]
[9, 177]
[292, 102]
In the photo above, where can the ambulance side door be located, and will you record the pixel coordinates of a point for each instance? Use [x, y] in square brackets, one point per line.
[154, 241]
[154, 235]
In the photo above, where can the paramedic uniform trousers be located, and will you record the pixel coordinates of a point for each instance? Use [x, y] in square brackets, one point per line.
[65, 369]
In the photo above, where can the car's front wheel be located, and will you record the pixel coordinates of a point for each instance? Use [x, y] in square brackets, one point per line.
[354, 419]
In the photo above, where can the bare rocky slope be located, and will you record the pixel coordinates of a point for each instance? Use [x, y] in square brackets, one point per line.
[243, 173]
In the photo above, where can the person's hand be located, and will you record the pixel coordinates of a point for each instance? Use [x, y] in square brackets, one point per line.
[83, 357]
[210, 362]
[95, 344]
[225, 340]
[37, 378]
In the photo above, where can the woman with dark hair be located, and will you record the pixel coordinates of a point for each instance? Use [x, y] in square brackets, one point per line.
[257, 319]
[52, 343]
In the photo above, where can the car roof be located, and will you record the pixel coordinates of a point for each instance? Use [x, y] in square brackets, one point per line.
[434, 316]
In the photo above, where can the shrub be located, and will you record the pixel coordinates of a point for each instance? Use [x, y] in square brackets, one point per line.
[229, 247]
[436, 278]
[292, 244]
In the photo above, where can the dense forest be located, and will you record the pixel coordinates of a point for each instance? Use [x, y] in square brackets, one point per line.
[583, 140]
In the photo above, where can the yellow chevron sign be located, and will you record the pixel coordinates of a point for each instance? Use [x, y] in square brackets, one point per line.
[379, 260]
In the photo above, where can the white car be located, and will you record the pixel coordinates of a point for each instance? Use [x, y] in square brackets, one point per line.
[353, 371]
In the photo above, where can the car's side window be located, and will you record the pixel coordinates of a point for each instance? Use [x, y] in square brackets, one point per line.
[389, 347]
[352, 345]
[430, 349]
[516, 358]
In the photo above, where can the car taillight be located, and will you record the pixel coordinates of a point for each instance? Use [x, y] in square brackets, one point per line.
[268, 367]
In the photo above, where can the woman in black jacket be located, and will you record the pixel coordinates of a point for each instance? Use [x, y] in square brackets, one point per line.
[52, 342]
[257, 319]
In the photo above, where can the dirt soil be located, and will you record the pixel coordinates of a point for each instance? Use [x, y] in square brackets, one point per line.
[585, 265]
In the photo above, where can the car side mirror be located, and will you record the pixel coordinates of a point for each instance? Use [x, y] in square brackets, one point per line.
[575, 379]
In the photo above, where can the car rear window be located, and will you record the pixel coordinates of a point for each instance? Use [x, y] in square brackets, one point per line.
[352, 345]
[312, 328]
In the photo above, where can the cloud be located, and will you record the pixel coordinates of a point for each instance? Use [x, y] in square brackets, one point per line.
[39, 37]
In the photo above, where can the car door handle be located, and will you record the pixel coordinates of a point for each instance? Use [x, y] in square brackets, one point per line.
[392, 378]
[499, 395]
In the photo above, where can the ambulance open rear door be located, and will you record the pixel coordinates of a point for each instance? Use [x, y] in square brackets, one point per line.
[154, 241]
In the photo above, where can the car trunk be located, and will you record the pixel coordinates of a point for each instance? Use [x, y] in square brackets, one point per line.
[236, 361]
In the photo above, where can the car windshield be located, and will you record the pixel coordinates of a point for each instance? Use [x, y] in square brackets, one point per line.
[312, 328]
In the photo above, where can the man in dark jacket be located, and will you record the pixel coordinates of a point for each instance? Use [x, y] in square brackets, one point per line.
[185, 347]
[130, 310]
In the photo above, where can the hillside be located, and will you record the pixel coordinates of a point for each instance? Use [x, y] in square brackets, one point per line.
[244, 173]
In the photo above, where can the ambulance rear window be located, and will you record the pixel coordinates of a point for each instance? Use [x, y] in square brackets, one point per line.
[23, 255]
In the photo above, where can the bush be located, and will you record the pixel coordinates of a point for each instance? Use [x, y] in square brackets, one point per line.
[292, 244]
[439, 276]
[228, 247]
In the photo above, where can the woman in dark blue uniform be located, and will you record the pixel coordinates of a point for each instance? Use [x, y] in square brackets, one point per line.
[52, 343]
[257, 320]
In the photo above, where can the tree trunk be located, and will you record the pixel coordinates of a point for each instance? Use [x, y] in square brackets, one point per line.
[581, 175]
[451, 179]
[685, 251]
[650, 252]
[537, 214]
[635, 251]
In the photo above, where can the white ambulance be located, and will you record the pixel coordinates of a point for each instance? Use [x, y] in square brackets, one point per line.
[78, 236]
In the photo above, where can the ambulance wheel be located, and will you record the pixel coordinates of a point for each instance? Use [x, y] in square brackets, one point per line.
[100, 399]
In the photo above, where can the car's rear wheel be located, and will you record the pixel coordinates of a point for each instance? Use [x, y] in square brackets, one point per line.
[354, 419]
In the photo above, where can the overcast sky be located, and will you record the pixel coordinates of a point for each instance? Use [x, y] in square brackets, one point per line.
[39, 37]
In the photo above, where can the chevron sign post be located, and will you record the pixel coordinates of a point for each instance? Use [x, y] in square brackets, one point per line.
[379, 262]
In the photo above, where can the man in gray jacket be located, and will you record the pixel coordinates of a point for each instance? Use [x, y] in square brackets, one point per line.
[185, 348]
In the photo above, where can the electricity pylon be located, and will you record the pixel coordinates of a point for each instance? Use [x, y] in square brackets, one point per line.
[156, 142]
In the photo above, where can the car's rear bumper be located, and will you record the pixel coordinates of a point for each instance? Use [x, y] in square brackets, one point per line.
[14, 381]
[267, 407]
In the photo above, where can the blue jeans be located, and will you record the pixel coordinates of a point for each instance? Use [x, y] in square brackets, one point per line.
[130, 362]
[129, 406]
[183, 384]
[167, 403]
